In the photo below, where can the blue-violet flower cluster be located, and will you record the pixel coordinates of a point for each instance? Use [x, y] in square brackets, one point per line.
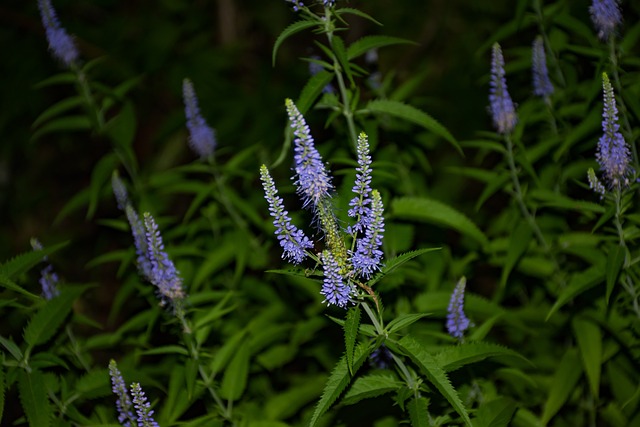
[61, 44]
[613, 152]
[605, 15]
[368, 255]
[293, 241]
[202, 138]
[163, 273]
[313, 181]
[123, 404]
[48, 278]
[501, 106]
[143, 408]
[361, 204]
[541, 84]
[334, 289]
[457, 321]
[119, 191]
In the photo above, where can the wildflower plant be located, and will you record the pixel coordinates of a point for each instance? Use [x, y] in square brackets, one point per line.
[376, 205]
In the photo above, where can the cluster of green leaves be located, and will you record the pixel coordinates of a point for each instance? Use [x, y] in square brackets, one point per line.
[552, 268]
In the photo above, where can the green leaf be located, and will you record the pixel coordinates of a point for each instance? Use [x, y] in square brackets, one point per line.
[455, 357]
[552, 199]
[94, 384]
[44, 324]
[234, 380]
[413, 115]
[357, 12]
[5, 282]
[166, 349]
[578, 284]
[419, 412]
[292, 29]
[11, 348]
[403, 321]
[432, 371]
[26, 261]
[589, 337]
[2, 388]
[341, 53]
[33, 395]
[363, 45]
[351, 333]
[496, 413]
[228, 349]
[294, 398]
[191, 369]
[100, 175]
[615, 261]
[563, 384]
[312, 90]
[338, 381]
[372, 385]
[57, 109]
[396, 262]
[435, 212]
[64, 124]
[518, 244]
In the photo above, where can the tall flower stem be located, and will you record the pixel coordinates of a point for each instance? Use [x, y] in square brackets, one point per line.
[617, 195]
[347, 112]
[97, 116]
[519, 197]
[207, 380]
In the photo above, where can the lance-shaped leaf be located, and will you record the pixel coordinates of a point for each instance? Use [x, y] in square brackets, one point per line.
[455, 357]
[351, 333]
[34, 399]
[431, 370]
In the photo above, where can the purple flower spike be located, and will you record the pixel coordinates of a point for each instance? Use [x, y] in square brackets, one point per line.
[368, 255]
[140, 241]
[335, 291]
[202, 138]
[143, 408]
[123, 404]
[361, 204]
[293, 241]
[313, 181]
[457, 321]
[119, 190]
[541, 84]
[61, 44]
[502, 109]
[48, 278]
[606, 16]
[613, 152]
[163, 273]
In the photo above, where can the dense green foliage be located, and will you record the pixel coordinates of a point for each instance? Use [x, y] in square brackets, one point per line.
[543, 266]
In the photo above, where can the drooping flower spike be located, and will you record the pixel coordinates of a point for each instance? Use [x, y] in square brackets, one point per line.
[606, 16]
[163, 274]
[613, 153]
[123, 404]
[502, 109]
[312, 179]
[457, 321]
[48, 278]
[293, 241]
[62, 45]
[202, 138]
[541, 83]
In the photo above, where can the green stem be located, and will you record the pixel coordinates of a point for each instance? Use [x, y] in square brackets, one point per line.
[517, 191]
[618, 216]
[346, 103]
[87, 97]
